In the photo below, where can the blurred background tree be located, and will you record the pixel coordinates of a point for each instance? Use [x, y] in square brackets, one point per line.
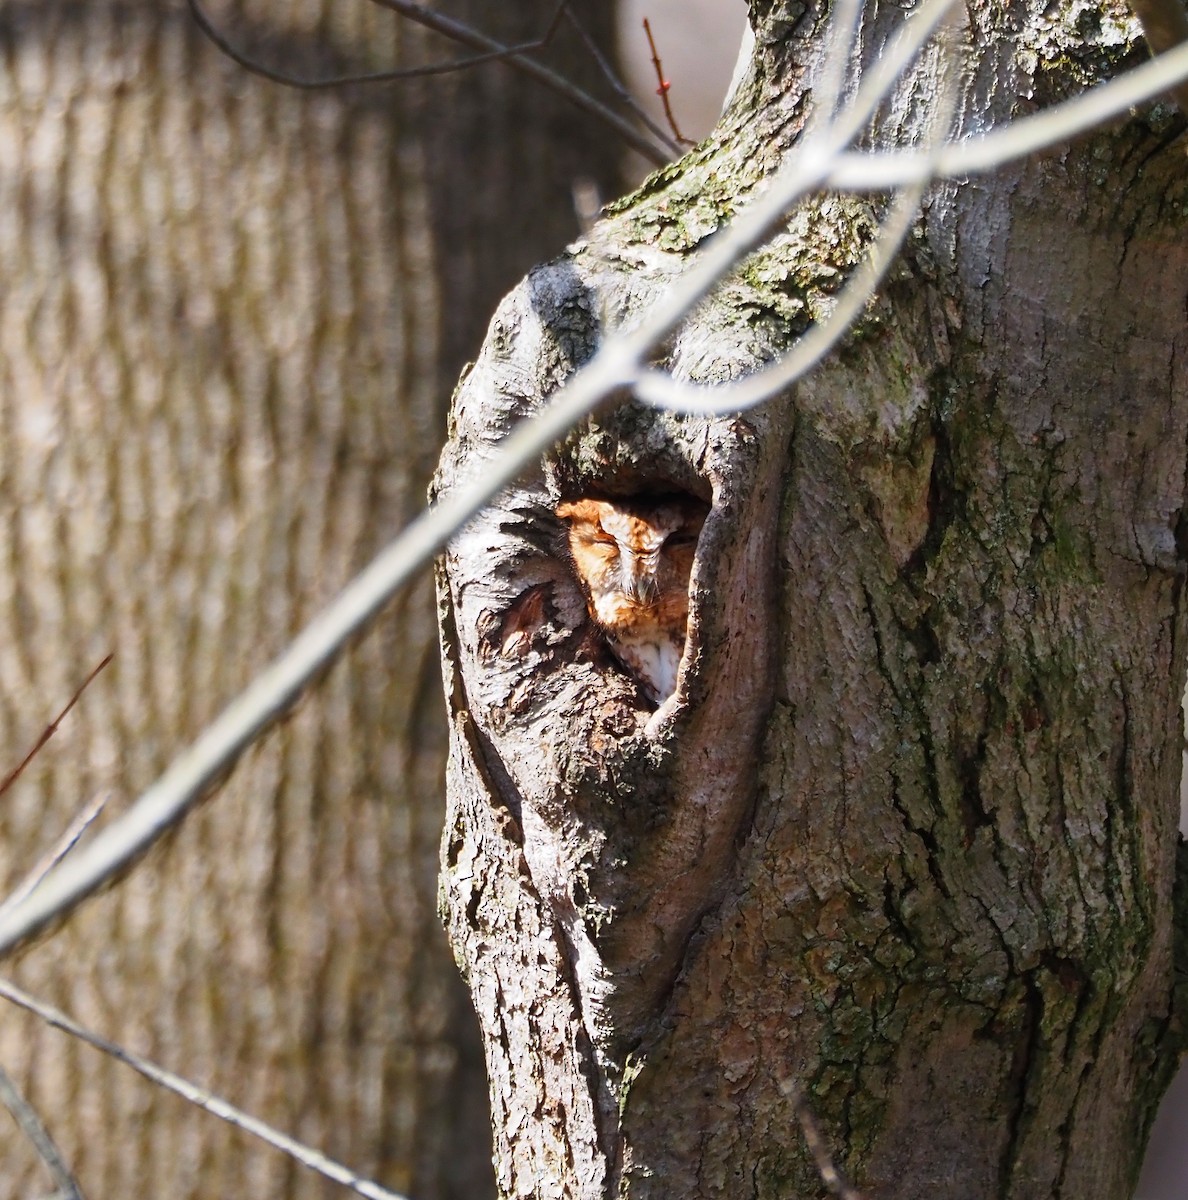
[230, 319]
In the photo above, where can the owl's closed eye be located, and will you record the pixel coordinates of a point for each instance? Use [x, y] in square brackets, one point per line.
[633, 559]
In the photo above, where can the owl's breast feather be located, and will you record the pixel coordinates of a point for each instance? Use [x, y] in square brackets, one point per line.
[653, 658]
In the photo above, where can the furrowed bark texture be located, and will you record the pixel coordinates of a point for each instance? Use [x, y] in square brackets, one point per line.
[906, 834]
[230, 318]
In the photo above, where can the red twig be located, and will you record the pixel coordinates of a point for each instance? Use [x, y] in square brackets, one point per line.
[617, 86]
[49, 731]
[663, 89]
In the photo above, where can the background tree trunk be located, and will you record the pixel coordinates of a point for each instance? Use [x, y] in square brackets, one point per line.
[229, 319]
[907, 835]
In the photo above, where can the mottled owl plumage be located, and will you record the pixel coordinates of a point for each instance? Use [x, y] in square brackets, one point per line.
[633, 559]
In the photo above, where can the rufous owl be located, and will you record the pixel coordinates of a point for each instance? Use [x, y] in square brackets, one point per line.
[633, 559]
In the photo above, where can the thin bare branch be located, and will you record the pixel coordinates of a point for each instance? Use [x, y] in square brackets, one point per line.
[616, 84]
[254, 66]
[834, 1181]
[1023, 136]
[1165, 25]
[489, 50]
[32, 1126]
[842, 30]
[661, 390]
[466, 36]
[563, 11]
[217, 1107]
[49, 731]
[58, 851]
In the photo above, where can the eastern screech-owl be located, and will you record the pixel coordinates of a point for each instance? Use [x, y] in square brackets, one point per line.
[633, 559]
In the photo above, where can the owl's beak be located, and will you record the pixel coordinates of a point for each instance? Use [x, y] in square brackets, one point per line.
[639, 579]
[643, 592]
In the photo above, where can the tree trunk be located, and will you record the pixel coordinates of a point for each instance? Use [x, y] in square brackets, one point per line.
[230, 316]
[905, 837]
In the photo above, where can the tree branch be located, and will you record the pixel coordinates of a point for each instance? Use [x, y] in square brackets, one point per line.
[32, 1126]
[58, 851]
[1023, 136]
[489, 51]
[1165, 25]
[255, 67]
[664, 87]
[205, 1100]
[835, 1182]
[616, 84]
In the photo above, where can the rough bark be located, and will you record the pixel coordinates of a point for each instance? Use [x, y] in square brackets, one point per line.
[230, 318]
[906, 836]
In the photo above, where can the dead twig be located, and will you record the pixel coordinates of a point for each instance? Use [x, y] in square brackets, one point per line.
[243, 59]
[530, 67]
[489, 50]
[200, 1096]
[834, 1181]
[33, 1127]
[1165, 24]
[616, 84]
[58, 851]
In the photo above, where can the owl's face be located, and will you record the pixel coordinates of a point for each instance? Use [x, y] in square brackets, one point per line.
[633, 560]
